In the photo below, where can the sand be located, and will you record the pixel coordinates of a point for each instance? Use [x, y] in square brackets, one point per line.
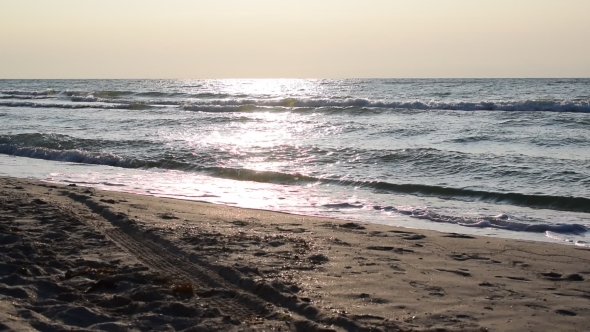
[79, 259]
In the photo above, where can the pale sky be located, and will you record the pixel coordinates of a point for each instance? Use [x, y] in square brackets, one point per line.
[294, 38]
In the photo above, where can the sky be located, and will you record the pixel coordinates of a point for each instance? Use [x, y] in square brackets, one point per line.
[294, 38]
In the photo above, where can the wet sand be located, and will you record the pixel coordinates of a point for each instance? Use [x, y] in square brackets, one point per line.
[75, 258]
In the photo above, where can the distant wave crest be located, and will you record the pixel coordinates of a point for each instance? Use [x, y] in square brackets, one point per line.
[221, 102]
[133, 106]
[237, 105]
[29, 93]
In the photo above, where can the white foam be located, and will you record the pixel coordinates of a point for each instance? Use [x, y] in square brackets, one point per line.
[525, 105]
[557, 237]
[65, 106]
[29, 93]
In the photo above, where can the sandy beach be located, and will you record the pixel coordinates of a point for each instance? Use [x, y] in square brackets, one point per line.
[78, 259]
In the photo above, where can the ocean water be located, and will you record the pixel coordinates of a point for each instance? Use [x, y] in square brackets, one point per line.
[499, 157]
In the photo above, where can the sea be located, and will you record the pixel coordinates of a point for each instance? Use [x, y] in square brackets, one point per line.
[496, 157]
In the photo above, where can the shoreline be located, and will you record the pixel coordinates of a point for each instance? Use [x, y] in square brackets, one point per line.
[132, 256]
[411, 213]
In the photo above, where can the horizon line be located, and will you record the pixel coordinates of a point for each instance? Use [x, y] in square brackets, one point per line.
[304, 78]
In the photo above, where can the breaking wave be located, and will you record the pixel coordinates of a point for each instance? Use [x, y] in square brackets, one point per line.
[29, 93]
[576, 204]
[236, 105]
[74, 156]
[133, 106]
[221, 102]
[554, 202]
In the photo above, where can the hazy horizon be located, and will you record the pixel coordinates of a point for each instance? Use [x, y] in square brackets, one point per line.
[295, 78]
[67, 39]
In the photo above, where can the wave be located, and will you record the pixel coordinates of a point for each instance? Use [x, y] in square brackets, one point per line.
[221, 102]
[66, 148]
[147, 103]
[133, 106]
[233, 105]
[88, 99]
[103, 93]
[35, 140]
[82, 156]
[115, 95]
[29, 93]
[20, 97]
[70, 93]
[576, 204]
[182, 94]
[501, 221]
[112, 93]
[56, 148]
[61, 142]
[472, 139]
[258, 176]
[158, 94]
[155, 94]
[75, 156]
[231, 108]
[249, 108]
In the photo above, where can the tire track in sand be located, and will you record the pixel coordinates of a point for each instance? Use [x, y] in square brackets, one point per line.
[211, 288]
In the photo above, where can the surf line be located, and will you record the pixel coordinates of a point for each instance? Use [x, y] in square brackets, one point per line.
[533, 228]
[501, 222]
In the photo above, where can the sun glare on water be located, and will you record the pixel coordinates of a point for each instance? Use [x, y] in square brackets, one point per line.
[255, 127]
[271, 88]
